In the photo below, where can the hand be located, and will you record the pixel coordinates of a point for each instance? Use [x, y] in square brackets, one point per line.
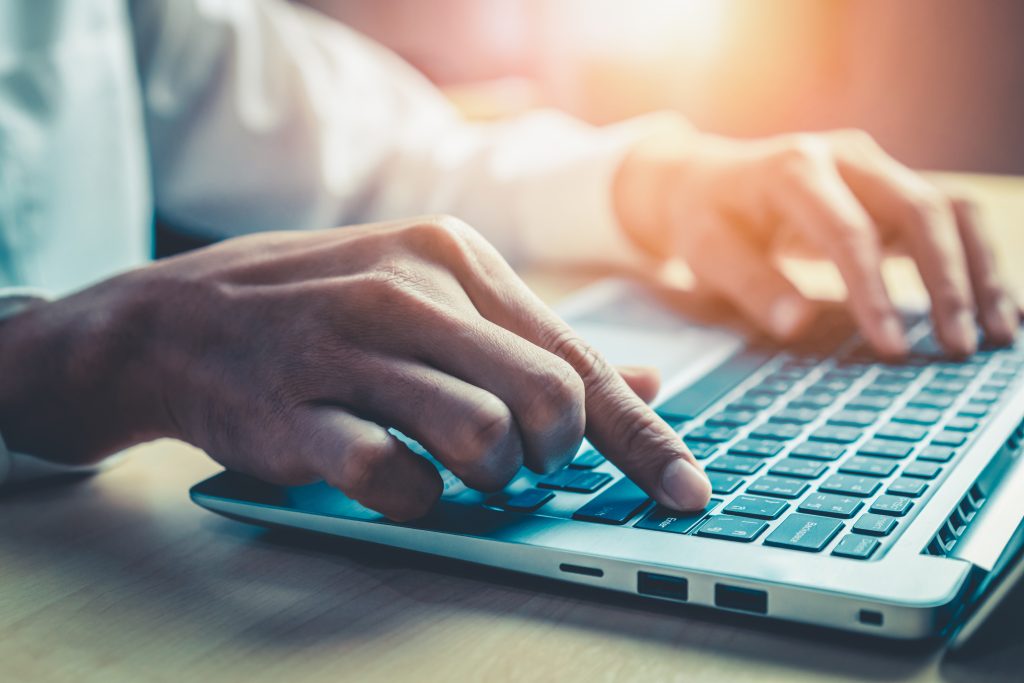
[286, 355]
[722, 205]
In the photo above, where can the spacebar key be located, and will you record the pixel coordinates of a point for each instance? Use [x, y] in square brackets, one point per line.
[698, 397]
[616, 505]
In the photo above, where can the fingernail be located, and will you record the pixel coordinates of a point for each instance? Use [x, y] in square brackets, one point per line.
[787, 316]
[892, 336]
[965, 332]
[686, 486]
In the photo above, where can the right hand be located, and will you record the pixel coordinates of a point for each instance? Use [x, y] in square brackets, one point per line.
[286, 355]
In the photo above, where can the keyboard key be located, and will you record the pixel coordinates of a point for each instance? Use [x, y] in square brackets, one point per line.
[921, 470]
[714, 434]
[587, 482]
[831, 505]
[724, 484]
[795, 415]
[876, 403]
[755, 506]
[702, 394]
[771, 387]
[901, 432]
[853, 418]
[835, 434]
[938, 386]
[907, 487]
[587, 461]
[801, 468]
[732, 528]
[809, 533]
[779, 487]
[757, 448]
[926, 400]
[949, 439]
[885, 449]
[818, 450]
[753, 402]
[812, 401]
[850, 485]
[617, 505]
[871, 467]
[558, 479]
[779, 432]
[732, 418]
[734, 464]
[962, 423]
[528, 500]
[663, 519]
[893, 506]
[874, 525]
[887, 390]
[985, 397]
[856, 547]
[971, 409]
[918, 416]
[936, 454]
[702, 449]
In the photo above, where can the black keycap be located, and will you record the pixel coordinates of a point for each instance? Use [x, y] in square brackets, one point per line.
[702, 394]
[831, 505]
[893, 506]
[871, 467]
[921, 470]
[901, 432]
[876, 403]
[724, 484]
[795, 415]
[731, 528]
[918, 416]
[832, 387]
[617, 505]
[558, 479]
[818, 450]
[801, 468]
[587, 482]
[714, 434]
[904, 486]
[874, 525]
[779, 432]
[835, 434]
[753, 402]
[853, 418]
[780, 487]
[939, 386]
[850, 485]
[962, 423]
[587, 460]
[755, 506]
[663, 519]
[949, 439]
[732, 418]
[971, 409]
[528, 500]
[881, 448]
[856, 547]
[812, 401]
[702, 449]
[936, 453]
[756, 447]
[887, 390]
[926, 400]
[809, 533]
[734, 464]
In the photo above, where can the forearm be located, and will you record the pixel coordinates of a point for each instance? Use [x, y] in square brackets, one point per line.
[65, 369]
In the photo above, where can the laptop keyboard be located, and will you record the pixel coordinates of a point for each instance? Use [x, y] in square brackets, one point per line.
[818, 449]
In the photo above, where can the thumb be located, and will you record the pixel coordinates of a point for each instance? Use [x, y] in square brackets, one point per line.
[642, 379]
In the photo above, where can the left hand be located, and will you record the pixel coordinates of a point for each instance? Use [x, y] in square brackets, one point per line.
[722, 205]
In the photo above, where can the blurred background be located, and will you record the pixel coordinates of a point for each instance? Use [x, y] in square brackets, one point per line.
[940, 83]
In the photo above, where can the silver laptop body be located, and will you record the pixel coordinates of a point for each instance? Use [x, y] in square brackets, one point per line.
[925, 578]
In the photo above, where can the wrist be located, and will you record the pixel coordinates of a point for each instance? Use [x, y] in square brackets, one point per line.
[67, 391]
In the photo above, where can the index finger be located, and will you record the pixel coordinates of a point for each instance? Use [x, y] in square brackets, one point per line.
[618, 422]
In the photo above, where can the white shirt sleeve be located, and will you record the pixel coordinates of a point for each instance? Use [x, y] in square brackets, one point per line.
[263, 115]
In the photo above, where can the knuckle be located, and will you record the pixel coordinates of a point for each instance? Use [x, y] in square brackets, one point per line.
[488, 427]
[360, 464]
[800, 154]
[924, 207]
[559, 398]
[636, 428]
[856, 138]
[442, 231]
[581, 356]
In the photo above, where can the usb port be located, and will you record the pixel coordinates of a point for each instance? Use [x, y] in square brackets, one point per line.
[662, 586]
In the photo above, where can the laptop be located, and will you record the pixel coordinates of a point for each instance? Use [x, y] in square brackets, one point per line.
[847, 493]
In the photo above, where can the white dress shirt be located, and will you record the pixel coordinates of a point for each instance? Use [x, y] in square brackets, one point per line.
[233, 116]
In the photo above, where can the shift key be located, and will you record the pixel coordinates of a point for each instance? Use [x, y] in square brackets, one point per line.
[617, 505]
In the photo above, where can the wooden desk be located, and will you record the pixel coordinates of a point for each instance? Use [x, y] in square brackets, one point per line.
[121, 578]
